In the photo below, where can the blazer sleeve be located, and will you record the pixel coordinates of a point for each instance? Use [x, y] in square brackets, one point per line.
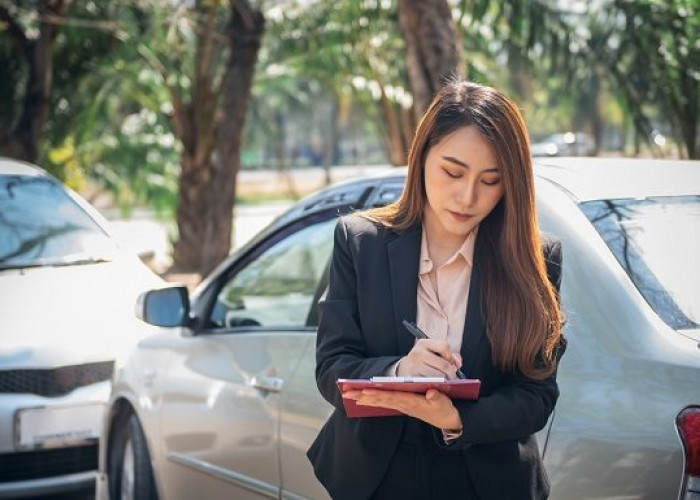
[341, 349]
[520, 407]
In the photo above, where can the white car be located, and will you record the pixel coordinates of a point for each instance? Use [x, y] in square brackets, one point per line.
[67, 295]
[222, 401]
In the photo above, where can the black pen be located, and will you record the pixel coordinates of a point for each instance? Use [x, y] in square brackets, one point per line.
[420, 334]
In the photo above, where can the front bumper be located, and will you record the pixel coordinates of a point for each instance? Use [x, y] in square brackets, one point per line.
[48, 486]
[44, 471]
[101, 487]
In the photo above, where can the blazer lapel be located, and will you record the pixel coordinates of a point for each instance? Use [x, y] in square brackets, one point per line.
[474, 322]
[404, 257]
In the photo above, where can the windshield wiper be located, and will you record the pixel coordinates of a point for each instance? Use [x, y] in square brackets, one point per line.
[79, 262]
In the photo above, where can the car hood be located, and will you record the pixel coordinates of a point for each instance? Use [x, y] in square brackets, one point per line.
[544, 149]
[58, 316]
[693, 334]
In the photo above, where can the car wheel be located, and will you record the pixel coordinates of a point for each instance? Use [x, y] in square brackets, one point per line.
[131, 476]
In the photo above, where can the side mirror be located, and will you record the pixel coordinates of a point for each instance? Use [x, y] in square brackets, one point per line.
[168, 307]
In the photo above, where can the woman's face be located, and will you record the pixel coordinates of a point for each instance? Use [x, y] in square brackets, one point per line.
[462, 182]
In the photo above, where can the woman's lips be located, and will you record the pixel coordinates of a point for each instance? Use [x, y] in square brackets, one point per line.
[460, 216]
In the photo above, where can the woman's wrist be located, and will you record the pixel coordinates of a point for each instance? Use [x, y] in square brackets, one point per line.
[452, 430]
[453, 424]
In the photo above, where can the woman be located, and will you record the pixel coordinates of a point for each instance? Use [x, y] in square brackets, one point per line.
[460, 254]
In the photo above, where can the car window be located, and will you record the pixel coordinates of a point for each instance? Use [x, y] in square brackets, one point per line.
[40, 224]
[277, 288]
[657, 243]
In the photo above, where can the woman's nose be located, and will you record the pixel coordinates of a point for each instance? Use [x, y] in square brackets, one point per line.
[468, 194]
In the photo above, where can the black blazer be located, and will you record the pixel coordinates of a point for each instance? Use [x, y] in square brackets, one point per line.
[373, 287]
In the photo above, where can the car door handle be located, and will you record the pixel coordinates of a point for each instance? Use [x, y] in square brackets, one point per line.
[268, 384]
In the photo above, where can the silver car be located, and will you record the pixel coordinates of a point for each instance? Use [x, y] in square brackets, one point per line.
[67, 296]
[221, 402]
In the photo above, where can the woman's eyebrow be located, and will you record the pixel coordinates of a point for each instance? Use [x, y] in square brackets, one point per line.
[454, 160]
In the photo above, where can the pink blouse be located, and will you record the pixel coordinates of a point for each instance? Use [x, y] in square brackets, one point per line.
[441, 311]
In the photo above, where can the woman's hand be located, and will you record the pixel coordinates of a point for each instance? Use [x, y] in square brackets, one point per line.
[430, 358]
[432, 407]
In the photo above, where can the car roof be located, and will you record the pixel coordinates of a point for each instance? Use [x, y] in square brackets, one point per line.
[587, 179]
[10, 166]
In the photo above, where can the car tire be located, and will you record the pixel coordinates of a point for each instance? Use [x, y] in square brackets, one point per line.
[130, 475]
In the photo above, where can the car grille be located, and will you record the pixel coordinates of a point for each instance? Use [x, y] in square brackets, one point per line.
[25, 466]
[56, 381]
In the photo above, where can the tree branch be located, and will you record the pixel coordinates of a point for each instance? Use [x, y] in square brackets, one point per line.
[244, 10]
[204, 96]
[55, 10]
[15, 31]
[179, 116]
[79, 23]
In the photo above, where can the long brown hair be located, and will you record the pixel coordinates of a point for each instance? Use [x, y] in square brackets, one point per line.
[522, 314]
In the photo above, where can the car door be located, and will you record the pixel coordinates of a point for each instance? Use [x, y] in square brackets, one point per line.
[304, 411]
[221, 400]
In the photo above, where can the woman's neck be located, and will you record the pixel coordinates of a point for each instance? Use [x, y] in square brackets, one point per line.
[441, 244]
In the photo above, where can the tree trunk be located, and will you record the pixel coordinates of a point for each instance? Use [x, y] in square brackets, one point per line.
[245, 36]
[516, 58]
[193, 184]
[597, 104]
[689, 126]
[281, 154]
[212, 140]
[194, 125]
[330, 141]
[394, 143]
[432, 48]
[686, 97]
[408, 129]
[392, 125]
[23, 139]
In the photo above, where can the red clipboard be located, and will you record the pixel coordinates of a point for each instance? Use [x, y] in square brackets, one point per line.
[455, 389]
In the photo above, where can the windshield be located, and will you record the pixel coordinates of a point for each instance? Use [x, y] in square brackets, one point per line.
[657, 242]
[41, 225]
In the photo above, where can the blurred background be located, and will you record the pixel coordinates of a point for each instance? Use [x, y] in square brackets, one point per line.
[191, 124]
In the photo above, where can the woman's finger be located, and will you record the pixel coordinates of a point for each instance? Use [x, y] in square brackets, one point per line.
[439, 347]
[432, 395]
[437, 354]
[442, 367]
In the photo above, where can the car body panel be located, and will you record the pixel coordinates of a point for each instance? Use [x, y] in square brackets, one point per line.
[136, 386]
[41, 488]
[623, 379]
[613, 178]
[303, 413]
[35, 338]
[211, 381]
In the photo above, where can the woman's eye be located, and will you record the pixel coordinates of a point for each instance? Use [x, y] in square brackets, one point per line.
[491, 182]
[452, 174]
